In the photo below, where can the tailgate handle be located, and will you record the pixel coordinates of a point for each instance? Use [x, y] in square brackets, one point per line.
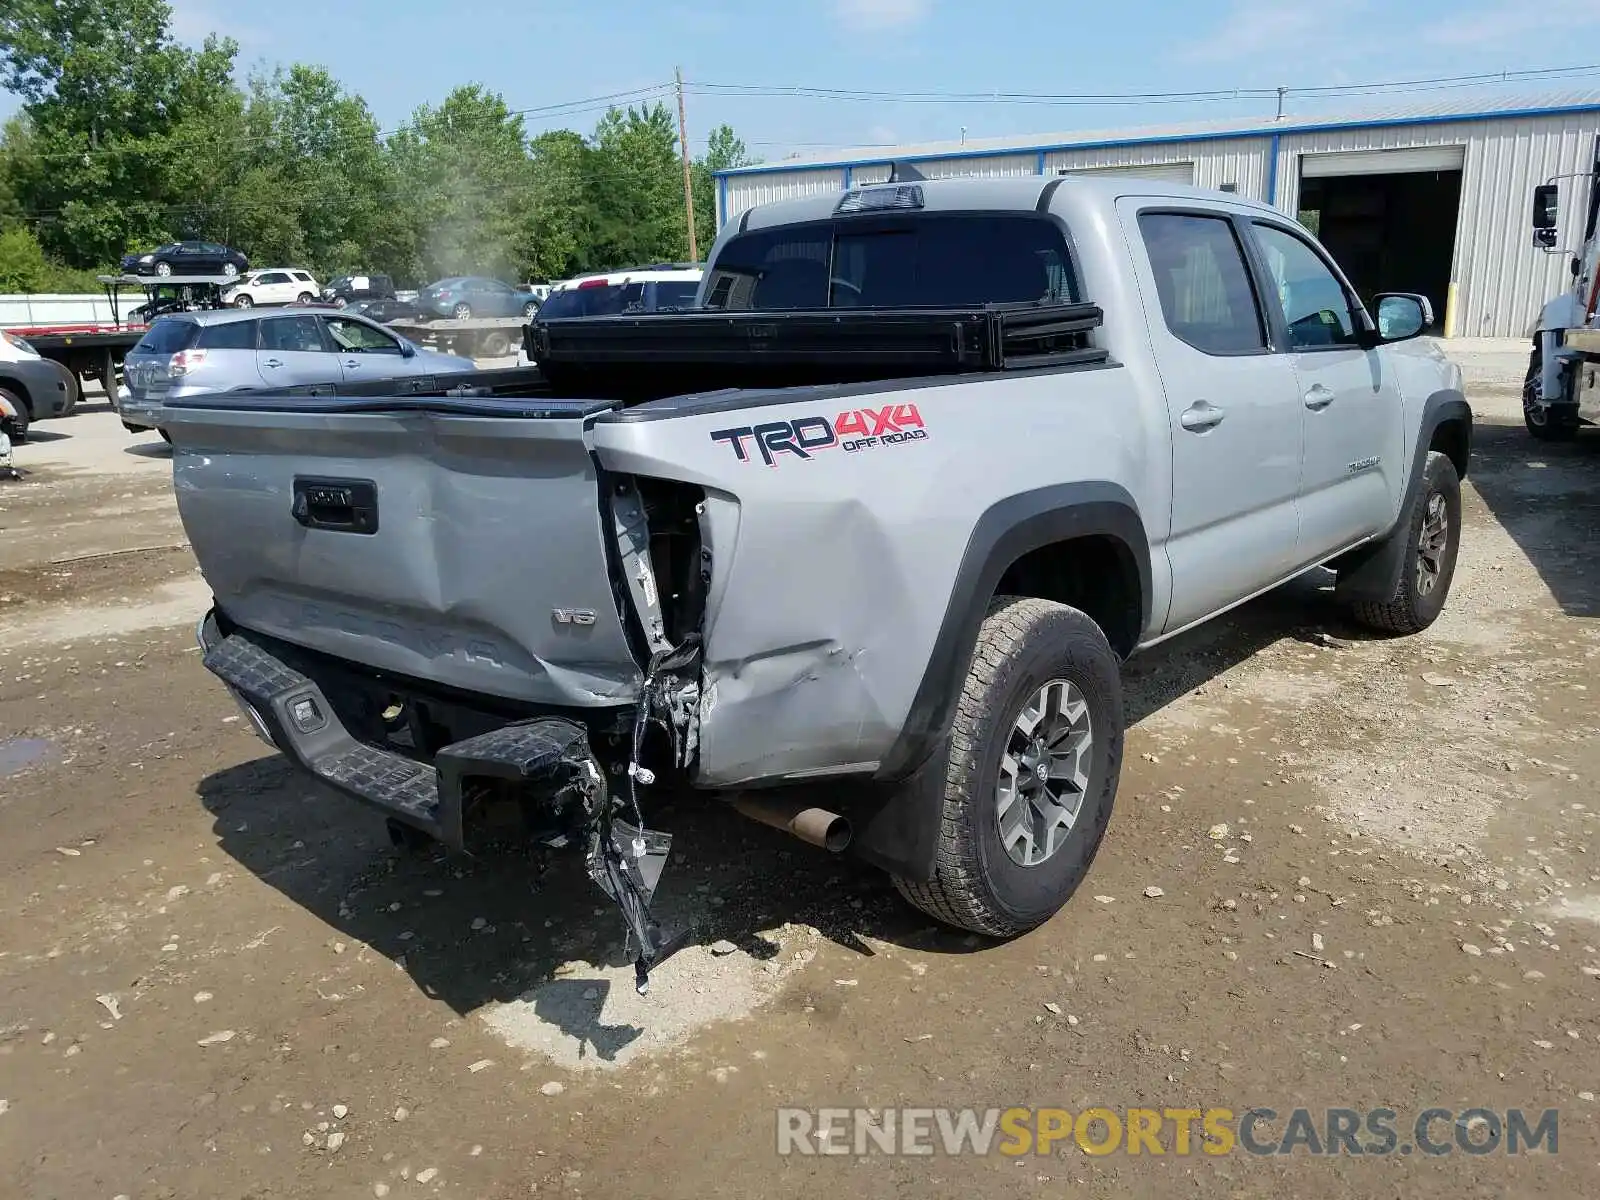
[339, 505]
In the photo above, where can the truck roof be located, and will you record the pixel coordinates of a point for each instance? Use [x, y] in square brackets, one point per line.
[1018, 193]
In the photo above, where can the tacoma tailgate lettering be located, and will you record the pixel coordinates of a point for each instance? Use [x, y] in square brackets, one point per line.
[853, 430]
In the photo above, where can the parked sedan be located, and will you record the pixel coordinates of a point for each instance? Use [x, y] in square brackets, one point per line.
[462, 297]
[187, 258]
[227, 350]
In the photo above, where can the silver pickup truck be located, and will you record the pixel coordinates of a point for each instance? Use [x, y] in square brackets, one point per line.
[856, 546]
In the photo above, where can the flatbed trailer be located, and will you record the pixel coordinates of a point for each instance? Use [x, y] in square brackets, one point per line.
[87, 351]
[475, 337]
[95, 351]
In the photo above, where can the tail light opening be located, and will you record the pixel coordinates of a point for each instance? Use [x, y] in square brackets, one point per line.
[185, 361]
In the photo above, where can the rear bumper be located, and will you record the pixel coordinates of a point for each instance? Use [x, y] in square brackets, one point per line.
[292, 714]
[141, 412]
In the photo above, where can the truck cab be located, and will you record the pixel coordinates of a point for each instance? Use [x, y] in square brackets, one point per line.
[1561, 393]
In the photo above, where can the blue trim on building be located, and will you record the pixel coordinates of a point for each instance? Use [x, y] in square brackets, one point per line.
[849, 176]
[1173, 139]
[1042, 166]
[1272, 170]
[722, 201]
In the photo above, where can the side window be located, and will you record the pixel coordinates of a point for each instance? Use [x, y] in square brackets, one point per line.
[1315, 306]
[361, 337]
[292, 334]
[235, 335]
[272, 277]
[1206, 295]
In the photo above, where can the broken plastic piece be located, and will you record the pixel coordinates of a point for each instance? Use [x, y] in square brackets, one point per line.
[631, 881]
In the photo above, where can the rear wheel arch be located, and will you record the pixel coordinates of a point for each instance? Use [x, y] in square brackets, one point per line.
[1028, 538]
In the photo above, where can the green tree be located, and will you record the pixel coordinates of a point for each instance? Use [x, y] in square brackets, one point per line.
[559, 225]
[724, 150]
[104, 87]
[468, 186]
[22, 263]
[635, 188]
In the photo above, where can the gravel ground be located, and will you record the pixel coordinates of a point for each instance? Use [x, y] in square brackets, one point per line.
[1343, 872]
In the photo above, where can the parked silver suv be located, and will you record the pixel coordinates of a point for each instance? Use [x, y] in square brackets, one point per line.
[222, 350]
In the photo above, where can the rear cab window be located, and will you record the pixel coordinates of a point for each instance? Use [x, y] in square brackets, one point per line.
[928, 260]
[167, 335]
[1207, 298]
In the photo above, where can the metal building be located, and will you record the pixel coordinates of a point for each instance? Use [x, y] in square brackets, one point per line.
[1432, 198]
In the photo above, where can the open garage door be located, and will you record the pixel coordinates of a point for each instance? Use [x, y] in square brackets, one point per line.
[1167, 172]
[1389, 217]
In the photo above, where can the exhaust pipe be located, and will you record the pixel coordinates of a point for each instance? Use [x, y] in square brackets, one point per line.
[816, 826]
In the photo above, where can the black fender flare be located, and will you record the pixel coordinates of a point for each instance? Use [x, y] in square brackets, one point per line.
[1372, 571]
[899, 828]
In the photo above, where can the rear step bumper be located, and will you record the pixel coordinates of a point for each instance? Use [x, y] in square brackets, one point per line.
[292, 713]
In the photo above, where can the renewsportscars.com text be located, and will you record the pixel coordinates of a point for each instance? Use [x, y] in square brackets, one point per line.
[1259, 1130]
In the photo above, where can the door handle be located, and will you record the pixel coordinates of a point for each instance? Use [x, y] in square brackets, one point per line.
[1201, 416]
[273, 362]
[1319, 397]
[352, 362]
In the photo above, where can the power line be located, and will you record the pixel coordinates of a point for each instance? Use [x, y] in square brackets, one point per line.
[1208, 95]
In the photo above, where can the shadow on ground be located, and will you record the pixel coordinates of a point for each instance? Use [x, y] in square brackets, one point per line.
[1546, 496]
[728, 878]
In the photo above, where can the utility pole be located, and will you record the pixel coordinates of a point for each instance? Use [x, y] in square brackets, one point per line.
[688, 184]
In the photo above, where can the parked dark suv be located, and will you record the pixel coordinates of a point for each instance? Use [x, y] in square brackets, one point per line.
[348, 288]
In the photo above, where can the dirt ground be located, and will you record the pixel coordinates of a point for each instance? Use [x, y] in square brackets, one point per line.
[217, 980]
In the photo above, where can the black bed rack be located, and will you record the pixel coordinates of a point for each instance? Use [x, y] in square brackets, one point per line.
[873, 340]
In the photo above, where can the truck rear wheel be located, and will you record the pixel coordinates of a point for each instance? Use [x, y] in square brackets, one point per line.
[1030, 770]
[1432, 530]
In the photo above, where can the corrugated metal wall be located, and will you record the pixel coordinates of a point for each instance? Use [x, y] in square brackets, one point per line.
[747, 191]
[1501, 280]
[1241, 161]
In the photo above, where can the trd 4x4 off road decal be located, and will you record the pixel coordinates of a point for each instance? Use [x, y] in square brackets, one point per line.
[853, 431]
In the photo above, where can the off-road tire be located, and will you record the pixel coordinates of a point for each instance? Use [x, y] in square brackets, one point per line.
[1409, 610]
[1022, 644]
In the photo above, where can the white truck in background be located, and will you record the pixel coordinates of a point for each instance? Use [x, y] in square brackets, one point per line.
[1562, 390]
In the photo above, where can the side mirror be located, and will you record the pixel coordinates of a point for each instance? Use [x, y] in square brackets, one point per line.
[407, 350]
[1402, 315]
[1546, 215]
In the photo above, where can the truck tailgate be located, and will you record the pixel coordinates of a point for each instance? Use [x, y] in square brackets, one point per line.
[454, 540]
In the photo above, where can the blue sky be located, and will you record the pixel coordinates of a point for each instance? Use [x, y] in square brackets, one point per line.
[400, 53]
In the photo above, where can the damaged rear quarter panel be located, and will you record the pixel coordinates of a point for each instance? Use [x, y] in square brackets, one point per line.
[831, 582]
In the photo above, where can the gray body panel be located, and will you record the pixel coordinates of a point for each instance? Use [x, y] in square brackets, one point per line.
[485, 526]
[837, 579]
